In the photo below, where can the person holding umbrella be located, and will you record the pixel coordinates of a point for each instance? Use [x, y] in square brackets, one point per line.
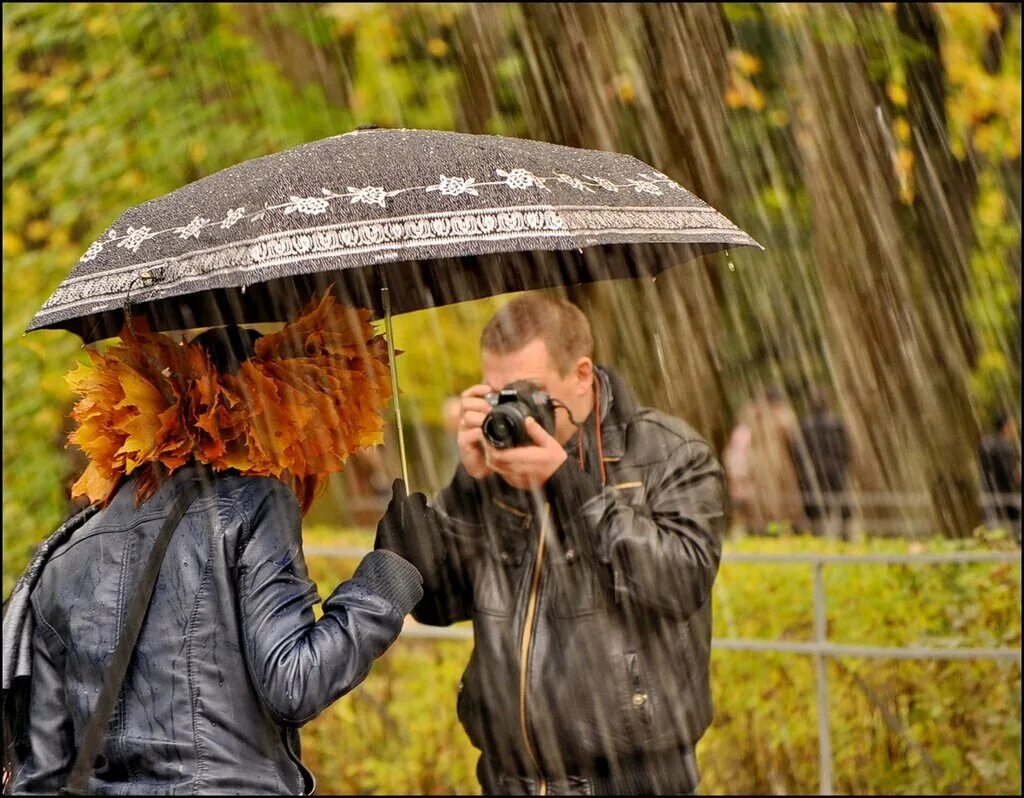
[170, 634]
[581, 534]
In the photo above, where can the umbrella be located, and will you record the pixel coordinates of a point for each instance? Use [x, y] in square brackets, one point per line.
[394, 220]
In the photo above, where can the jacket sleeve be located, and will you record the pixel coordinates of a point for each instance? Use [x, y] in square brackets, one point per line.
[665, 554]
[447, 590]
[300, 665]
[51, 745]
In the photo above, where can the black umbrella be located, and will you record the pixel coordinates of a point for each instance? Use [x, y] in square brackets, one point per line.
[395, 220]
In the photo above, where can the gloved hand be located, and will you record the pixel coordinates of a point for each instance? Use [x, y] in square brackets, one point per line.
[411, 529]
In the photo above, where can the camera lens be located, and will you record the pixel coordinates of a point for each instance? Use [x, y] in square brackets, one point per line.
[503, 427]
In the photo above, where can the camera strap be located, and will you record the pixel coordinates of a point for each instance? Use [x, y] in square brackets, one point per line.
[600, 440]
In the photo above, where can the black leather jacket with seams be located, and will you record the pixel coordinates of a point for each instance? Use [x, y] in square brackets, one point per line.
[230, 660]
[612, 627]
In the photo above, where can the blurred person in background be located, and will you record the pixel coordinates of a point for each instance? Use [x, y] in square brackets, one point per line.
[584, 554]
[768, 484]
[821, 452]
[1000, 465]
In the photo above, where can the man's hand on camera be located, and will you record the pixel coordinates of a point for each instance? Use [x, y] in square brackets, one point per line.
[474, 410]
[525, 467]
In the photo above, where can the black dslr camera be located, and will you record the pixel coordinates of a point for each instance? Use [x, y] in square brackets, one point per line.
[505, 426]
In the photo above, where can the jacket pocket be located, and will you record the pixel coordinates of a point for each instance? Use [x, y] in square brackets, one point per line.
[574, 586]
[639, 698]
[498, 567]
[494, 584]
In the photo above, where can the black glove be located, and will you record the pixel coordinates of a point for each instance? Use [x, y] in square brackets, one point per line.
[410, 528]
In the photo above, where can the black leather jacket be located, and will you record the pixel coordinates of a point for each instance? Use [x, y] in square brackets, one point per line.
[230, 661]
[593, 627]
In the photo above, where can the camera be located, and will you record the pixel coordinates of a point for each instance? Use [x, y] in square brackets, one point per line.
[505, 426]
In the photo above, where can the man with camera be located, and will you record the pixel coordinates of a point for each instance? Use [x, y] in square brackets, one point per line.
[581, 534]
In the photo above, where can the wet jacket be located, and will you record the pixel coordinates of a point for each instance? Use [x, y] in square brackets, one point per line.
[591, 608]
[230, 661]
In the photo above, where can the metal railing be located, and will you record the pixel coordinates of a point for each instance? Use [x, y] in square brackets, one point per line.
[821, 648]
[876, 513]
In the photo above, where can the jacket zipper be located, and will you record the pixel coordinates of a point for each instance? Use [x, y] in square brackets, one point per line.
[524, 648]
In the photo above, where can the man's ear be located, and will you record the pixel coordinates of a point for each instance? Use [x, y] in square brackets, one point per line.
[584, 376]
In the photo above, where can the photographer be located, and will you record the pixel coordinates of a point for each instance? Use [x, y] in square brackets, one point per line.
[581, 534]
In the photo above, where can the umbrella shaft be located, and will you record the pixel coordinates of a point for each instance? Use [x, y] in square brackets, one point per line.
[385, 297]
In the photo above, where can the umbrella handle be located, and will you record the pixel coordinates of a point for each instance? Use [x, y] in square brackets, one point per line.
[385, 298]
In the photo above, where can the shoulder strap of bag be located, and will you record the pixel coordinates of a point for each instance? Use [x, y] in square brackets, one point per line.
[99, 722]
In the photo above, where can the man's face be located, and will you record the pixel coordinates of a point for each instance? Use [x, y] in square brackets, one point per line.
[533, 362]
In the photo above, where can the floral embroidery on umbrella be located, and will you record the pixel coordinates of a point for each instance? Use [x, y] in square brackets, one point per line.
[575, 182]
[453, 186]
[192, 229]
[134, 238]
[604, 183]
[310, 206]
[95, 248]
[370, 195]
[232, 218]
[521, 178]
[516, 178]
[645, 187]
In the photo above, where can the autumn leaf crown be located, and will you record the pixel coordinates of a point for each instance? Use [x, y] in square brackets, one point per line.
[309, 396]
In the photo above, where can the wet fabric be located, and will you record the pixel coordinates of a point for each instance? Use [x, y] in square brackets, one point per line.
[590, 604]
[230, 661]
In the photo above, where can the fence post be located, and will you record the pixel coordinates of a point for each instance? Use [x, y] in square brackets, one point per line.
[824, 731]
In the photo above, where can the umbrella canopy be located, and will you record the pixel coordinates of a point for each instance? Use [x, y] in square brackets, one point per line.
[437, 217]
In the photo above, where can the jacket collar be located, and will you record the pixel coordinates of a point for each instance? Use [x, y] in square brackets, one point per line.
[618, 406]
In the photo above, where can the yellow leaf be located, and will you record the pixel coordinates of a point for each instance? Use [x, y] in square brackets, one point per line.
[437, 47]
[627, 92]
[37, 230]
[897, 94]
[58, 95]
[745, 63]
[905, 159]
[902, 128]
[734, 97]
[13, 245]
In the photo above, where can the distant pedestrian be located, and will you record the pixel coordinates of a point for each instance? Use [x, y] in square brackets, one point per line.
[999, 456]
[768, 483]
[821, 453]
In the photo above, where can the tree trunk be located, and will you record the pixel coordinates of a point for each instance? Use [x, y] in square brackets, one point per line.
[885, 339]
[943, 207]
[649, 80]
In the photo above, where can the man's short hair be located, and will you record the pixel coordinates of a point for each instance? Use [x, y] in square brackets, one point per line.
[560, 324]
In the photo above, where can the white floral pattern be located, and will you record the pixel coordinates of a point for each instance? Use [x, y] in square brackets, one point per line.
[453, 186]
[193, 228]
[519, 178]
[573, 182]
[357, 243]
[646, 187]
[310, 206]
[134, 237]
[370, 195]
[233, 217]
[516, 179]
[604, 183]
[95, 248]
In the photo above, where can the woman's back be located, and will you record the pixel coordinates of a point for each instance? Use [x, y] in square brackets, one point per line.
[229, 661]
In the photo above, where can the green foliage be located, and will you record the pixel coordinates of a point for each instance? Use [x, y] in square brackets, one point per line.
[897, 727]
